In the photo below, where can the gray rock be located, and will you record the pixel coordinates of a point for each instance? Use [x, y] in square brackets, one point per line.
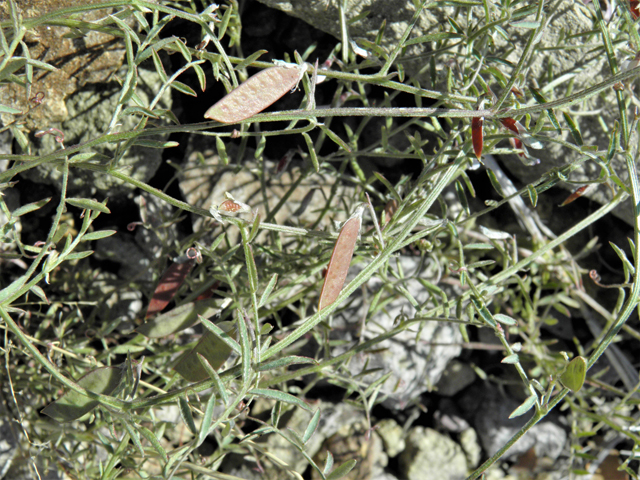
[455, 378]
[415, 358]
[471, 447]
[432, 455]
[392, 436]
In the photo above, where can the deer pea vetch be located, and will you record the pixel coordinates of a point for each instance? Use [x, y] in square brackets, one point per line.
[256, 93]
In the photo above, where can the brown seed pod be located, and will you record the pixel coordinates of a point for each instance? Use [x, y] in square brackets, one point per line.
[340, 259]
[254, 95]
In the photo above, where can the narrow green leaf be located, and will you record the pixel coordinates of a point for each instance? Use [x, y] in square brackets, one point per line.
[79, 255]
[158, 64]
[342, 470]
[280, 396]
[73, 405]
[123, 26]
[182, 48]
[505, 319]
[392, 190]
[533, 195]
[185, 413]
[285, 362]
[495, 183]
[255, 229]
[526, 24]
[140, 111]
[434, 37]
[573, 127]
[153, 440]
[294, 437]
[222, 151]
[311, 428]
[328, 465]
[494, 234]
[207, 419]
[245, 344]
[252, 270]
[512, 359]
[88, 204]
[83, 157]
[249, 60]
[9, 110]
[224, 22]
[268, 290]
[13, 65]
[135, 436]
[462, 197]
[40, 293]
[540, 98]
[335, 138]
[155, 144]
[312, 152]
[525, 407]
[182, 88]
[623, 257]
[483, 312]
[222, 391]
[221, 332]
[30, 207]
[202, 78]
[479, 246]
[16, 285]
[98, 235]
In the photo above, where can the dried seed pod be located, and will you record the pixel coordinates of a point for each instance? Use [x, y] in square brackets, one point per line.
[577, 193]
[256, 94]
[341, 259]
[477, 135]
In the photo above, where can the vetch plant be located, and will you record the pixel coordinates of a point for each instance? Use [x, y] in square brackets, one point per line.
[232, 335]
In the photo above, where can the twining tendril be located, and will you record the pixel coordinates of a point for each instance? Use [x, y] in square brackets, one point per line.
[59, 135]
[595, 277]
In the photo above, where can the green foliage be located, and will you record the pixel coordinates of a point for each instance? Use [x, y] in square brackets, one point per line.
[245, 353]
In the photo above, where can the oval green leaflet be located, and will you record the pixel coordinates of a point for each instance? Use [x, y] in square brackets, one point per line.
[574, 374]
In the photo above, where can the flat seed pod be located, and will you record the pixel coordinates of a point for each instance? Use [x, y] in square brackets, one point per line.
[254, 95]
[340, 259]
